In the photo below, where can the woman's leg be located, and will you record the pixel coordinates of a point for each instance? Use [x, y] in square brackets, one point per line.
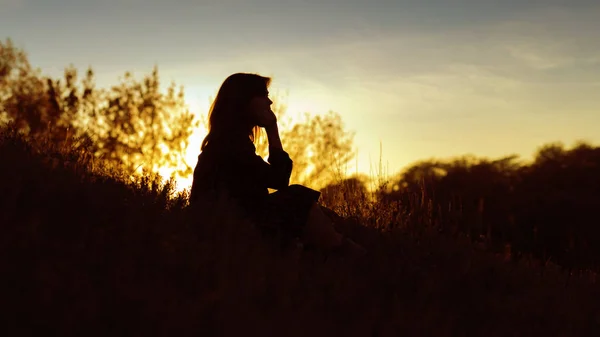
[319, 231]
[331, 214]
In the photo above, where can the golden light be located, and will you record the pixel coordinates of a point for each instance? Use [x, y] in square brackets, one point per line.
[198, 103]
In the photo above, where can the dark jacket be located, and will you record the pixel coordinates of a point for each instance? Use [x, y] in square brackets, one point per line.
[234, 166]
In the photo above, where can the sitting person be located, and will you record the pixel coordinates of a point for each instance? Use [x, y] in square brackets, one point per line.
[228, 162]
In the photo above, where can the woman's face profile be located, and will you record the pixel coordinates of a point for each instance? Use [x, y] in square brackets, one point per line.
[260, 108]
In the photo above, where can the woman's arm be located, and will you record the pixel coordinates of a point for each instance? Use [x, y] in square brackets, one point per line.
[279, 160]
[275, 173]
[273, 137]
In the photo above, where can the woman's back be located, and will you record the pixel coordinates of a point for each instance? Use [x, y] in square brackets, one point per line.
[233, 166]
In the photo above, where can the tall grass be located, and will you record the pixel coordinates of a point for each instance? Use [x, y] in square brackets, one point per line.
[88, 251]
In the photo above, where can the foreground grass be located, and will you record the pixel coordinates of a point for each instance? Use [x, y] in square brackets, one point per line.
[87, 252]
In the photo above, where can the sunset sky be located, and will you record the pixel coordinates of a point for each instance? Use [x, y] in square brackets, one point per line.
[426, 78]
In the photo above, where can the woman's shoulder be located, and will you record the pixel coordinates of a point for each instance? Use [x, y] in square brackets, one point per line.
[229, 147]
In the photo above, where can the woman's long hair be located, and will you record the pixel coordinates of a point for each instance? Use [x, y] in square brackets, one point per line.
[229, 115]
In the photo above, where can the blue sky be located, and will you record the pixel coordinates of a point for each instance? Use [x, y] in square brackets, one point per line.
[426, 78]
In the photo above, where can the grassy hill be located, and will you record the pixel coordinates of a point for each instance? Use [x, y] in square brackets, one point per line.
[86, 251]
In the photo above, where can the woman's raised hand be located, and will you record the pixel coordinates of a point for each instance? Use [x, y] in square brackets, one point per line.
[261, 110]
[265, 118]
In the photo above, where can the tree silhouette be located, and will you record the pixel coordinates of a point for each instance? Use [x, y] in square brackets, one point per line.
[319, 146]
[23, 93]
[141, 126]
[133, 124]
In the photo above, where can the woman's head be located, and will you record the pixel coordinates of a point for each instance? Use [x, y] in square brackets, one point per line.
[232, 111]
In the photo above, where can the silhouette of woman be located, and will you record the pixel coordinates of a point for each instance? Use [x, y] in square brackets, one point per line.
[228, 162]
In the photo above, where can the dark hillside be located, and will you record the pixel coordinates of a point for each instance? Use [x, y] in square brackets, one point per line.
[85, 251]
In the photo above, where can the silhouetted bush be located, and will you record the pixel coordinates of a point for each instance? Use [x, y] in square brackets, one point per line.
[547, 208]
